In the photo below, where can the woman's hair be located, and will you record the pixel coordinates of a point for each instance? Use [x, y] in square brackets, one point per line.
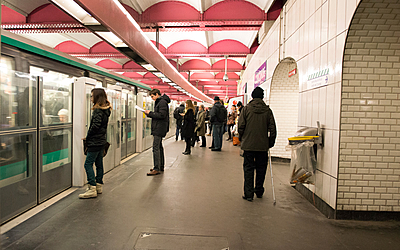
[99, 98]
[189, 105]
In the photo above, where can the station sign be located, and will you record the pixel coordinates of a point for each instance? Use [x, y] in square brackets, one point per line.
[293, 72]
[318, 79]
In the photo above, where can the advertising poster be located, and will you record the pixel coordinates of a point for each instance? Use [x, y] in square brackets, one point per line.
[260, 75]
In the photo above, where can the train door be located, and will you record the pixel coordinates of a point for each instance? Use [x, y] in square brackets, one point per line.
[128, 123]
[113, 157]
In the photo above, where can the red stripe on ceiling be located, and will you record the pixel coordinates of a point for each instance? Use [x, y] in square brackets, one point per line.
[71, 47]
[48, 13]
[187, 46]
[107, 63]
[196, 76]
[150, 75]
[11, 16]
[233, 10]
[103, 47]
[132, 65]
[231, 76]
[132, 75]
[194, 63]
[228, 46]
[170, 11]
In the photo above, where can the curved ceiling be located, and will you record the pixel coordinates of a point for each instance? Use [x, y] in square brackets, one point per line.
[195, 36]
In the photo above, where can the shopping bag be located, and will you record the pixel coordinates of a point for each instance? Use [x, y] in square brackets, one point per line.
[235, 140]
[106, 146]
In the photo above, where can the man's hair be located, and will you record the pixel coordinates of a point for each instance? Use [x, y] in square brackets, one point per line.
[195, 103]
[202, 106]
[155, 92]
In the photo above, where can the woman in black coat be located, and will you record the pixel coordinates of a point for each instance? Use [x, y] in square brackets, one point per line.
[188, 126]
[96, 139]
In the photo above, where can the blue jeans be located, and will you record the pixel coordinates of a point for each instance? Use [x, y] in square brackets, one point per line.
[177, 132]
[158, 153]
[97, 158]
[217, 131]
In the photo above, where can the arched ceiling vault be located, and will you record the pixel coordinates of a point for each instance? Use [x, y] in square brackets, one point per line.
[194, 36]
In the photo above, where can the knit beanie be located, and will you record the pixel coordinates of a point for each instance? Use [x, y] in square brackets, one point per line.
[257, 93]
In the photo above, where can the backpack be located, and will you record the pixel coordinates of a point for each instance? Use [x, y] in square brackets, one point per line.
[176, 113]
[221, 114]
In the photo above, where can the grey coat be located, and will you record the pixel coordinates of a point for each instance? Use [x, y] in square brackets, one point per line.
[201, 123]
[255, 121]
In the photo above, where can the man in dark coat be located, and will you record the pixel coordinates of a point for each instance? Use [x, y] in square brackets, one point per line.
[177, 115]
[257, 133]
[218, 116]
[159, 128]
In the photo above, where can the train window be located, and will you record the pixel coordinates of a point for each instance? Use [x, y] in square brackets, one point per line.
[55, 96]
[17, 97]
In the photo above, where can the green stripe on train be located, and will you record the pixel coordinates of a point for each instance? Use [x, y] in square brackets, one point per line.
[12, 169]
[55, 156]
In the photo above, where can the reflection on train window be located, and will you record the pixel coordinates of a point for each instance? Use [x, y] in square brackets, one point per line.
[16, 158]
[56, 148]
[17, 97]
[55, 96]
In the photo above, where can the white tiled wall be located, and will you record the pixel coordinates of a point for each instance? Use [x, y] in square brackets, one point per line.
[369, 165]
[284, 103]
[314, 34]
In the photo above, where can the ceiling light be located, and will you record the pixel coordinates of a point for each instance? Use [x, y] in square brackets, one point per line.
[159, 74]
[149, 67]
[112, 39]
[76, 11]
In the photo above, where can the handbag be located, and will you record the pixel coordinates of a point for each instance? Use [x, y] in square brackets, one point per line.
[235, 140]
[106, 147]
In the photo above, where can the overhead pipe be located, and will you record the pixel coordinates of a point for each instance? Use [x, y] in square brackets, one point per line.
[112, 15]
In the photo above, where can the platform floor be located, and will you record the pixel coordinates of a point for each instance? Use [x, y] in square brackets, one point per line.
[195, 204]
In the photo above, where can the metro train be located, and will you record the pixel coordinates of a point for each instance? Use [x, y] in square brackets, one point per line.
[44, 114]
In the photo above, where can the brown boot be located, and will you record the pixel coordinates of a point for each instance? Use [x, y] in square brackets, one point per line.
[153, 172]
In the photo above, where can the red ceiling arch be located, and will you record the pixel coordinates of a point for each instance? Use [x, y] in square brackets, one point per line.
[48, 13]
[103, 47]
[170, 11]
[132, 75]
[231, 65]
[228, 46]
[71, 47]
[201, 75]
[234, 10]
[195, 64]
[133, 12]
[161, 47]
[187, 46]
[11, 16]
[132, 65]
[231, 76]
[150, 75]
[108, 64]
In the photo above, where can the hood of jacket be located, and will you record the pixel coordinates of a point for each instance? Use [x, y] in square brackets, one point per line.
[258, 106]
[106, 109]
[164, 97]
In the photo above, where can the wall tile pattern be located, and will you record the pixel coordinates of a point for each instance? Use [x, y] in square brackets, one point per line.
[369, 163]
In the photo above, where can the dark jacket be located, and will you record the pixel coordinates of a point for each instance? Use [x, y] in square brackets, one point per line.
[160, 117]
[255, 121]
[181, 110]
[188, 124]
[97, 134]
[218, 114]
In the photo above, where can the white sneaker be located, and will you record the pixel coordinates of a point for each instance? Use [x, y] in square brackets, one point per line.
[99, 188]
[90, 193]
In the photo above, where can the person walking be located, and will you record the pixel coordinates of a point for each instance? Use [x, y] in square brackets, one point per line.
[96, 139]
[218, 119]
[257, 133]
[177, 115]
[188, 126]
[159, 128]
[201, 125]
[231, 121]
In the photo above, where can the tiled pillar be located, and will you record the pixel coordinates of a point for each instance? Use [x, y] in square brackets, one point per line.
[369, 163]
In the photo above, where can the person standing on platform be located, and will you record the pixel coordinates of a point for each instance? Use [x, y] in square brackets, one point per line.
[96, 138]
[196, 112]
[188, 126]
[218, 119]
[257, 133]
[177, 115]
[201, 125]
[231, 121]
[159, 128]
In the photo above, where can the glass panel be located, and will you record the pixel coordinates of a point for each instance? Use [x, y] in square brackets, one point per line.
[55, 97]
[124, 103]
[17, 174]
[55, 162]
[17, 99]
[123, 138]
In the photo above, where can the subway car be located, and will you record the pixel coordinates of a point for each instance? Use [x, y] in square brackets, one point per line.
[45, 112]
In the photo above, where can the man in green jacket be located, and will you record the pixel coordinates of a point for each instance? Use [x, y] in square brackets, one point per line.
[257, 133]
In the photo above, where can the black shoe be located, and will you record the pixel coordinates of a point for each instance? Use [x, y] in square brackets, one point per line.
[215, 149]
[186, 153]
[202, 146]
[247, 199]
[228, 139]
[162, 170]
[210, 147]
[259, 196]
